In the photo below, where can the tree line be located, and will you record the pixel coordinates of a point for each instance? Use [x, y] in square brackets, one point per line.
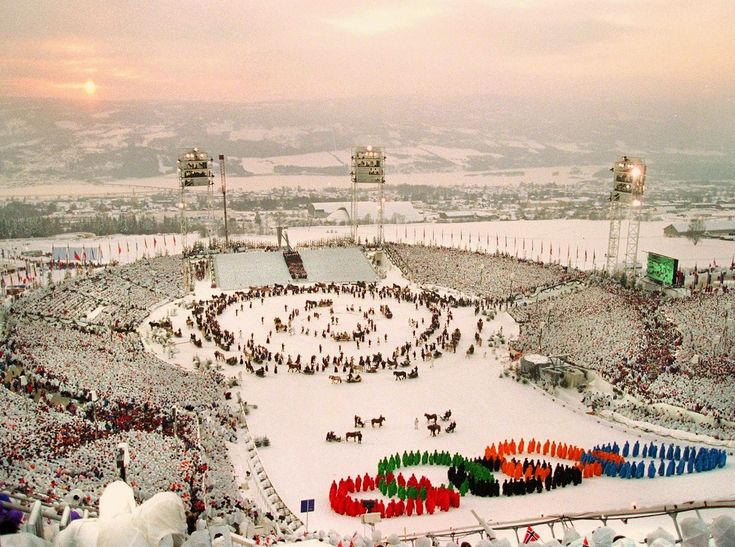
[22, 220]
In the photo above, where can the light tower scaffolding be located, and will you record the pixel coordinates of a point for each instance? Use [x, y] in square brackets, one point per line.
[367, 167]
[626, 201]
[194, 168]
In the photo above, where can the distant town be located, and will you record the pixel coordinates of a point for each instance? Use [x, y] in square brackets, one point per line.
[260, 212]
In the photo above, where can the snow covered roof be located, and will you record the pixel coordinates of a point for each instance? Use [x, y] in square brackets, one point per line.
[394, 211]
[709, 226]
[537, 359]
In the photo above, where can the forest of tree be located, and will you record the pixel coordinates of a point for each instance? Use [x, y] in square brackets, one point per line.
[22, 220]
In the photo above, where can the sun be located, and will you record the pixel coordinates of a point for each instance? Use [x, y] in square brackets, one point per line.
[90, 88]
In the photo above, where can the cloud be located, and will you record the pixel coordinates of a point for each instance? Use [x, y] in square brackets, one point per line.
[378, 20]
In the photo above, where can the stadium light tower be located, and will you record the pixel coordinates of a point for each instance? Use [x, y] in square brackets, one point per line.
[367, 167]
[194, 168]
[626, 202]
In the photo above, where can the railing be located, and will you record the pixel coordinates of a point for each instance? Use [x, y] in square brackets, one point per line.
[265, 487]
[623, 515]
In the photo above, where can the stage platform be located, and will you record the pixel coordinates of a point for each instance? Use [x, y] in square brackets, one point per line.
[326, 265]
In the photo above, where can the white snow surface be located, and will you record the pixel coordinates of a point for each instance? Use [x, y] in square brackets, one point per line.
[295, 411]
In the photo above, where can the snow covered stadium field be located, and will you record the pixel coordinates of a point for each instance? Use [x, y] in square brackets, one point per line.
[295, 411]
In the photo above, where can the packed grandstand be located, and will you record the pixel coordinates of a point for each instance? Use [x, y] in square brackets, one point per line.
[80, 380]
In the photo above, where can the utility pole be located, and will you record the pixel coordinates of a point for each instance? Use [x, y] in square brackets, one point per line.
[224, 196]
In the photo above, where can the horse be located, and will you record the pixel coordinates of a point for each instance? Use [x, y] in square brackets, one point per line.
[332, 438]
[335, 379]
[434, 428]
[354, 379]
[414, 373]
[293, 367]
[451, 427]
[399, 374]
[430, 417]
[219, 356]
[447, 415]
[232, 361]
[260, 373]
[358, 421]
[355, 435]
[378, 421]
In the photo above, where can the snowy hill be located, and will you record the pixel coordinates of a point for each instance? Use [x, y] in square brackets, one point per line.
[45, 141]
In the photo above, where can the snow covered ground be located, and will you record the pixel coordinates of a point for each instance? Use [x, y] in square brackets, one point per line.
[564, 240]
[295, 411]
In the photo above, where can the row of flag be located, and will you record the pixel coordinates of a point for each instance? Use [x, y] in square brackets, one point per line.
[83, 256]
[74, 257]
[532, 246]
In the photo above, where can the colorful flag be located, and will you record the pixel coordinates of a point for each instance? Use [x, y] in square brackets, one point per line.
[531, 535]
[77, 258]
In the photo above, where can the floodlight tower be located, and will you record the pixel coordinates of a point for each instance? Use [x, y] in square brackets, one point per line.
[626, 201]
[194, 168]
[367, 167]
[224, 197]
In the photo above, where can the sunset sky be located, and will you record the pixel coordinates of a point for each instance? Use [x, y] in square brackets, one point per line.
[291, 50]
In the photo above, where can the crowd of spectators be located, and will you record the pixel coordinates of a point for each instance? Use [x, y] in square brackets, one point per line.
[490, 276]
[118, 297]
[77, 382]
[677, 352]
[658, 350]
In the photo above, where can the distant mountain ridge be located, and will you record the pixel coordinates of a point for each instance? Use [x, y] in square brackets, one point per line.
[45, 141]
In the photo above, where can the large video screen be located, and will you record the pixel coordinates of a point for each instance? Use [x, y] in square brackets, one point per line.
[662, 269]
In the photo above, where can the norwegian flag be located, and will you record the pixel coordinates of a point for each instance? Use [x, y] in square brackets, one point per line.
[531, 535]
